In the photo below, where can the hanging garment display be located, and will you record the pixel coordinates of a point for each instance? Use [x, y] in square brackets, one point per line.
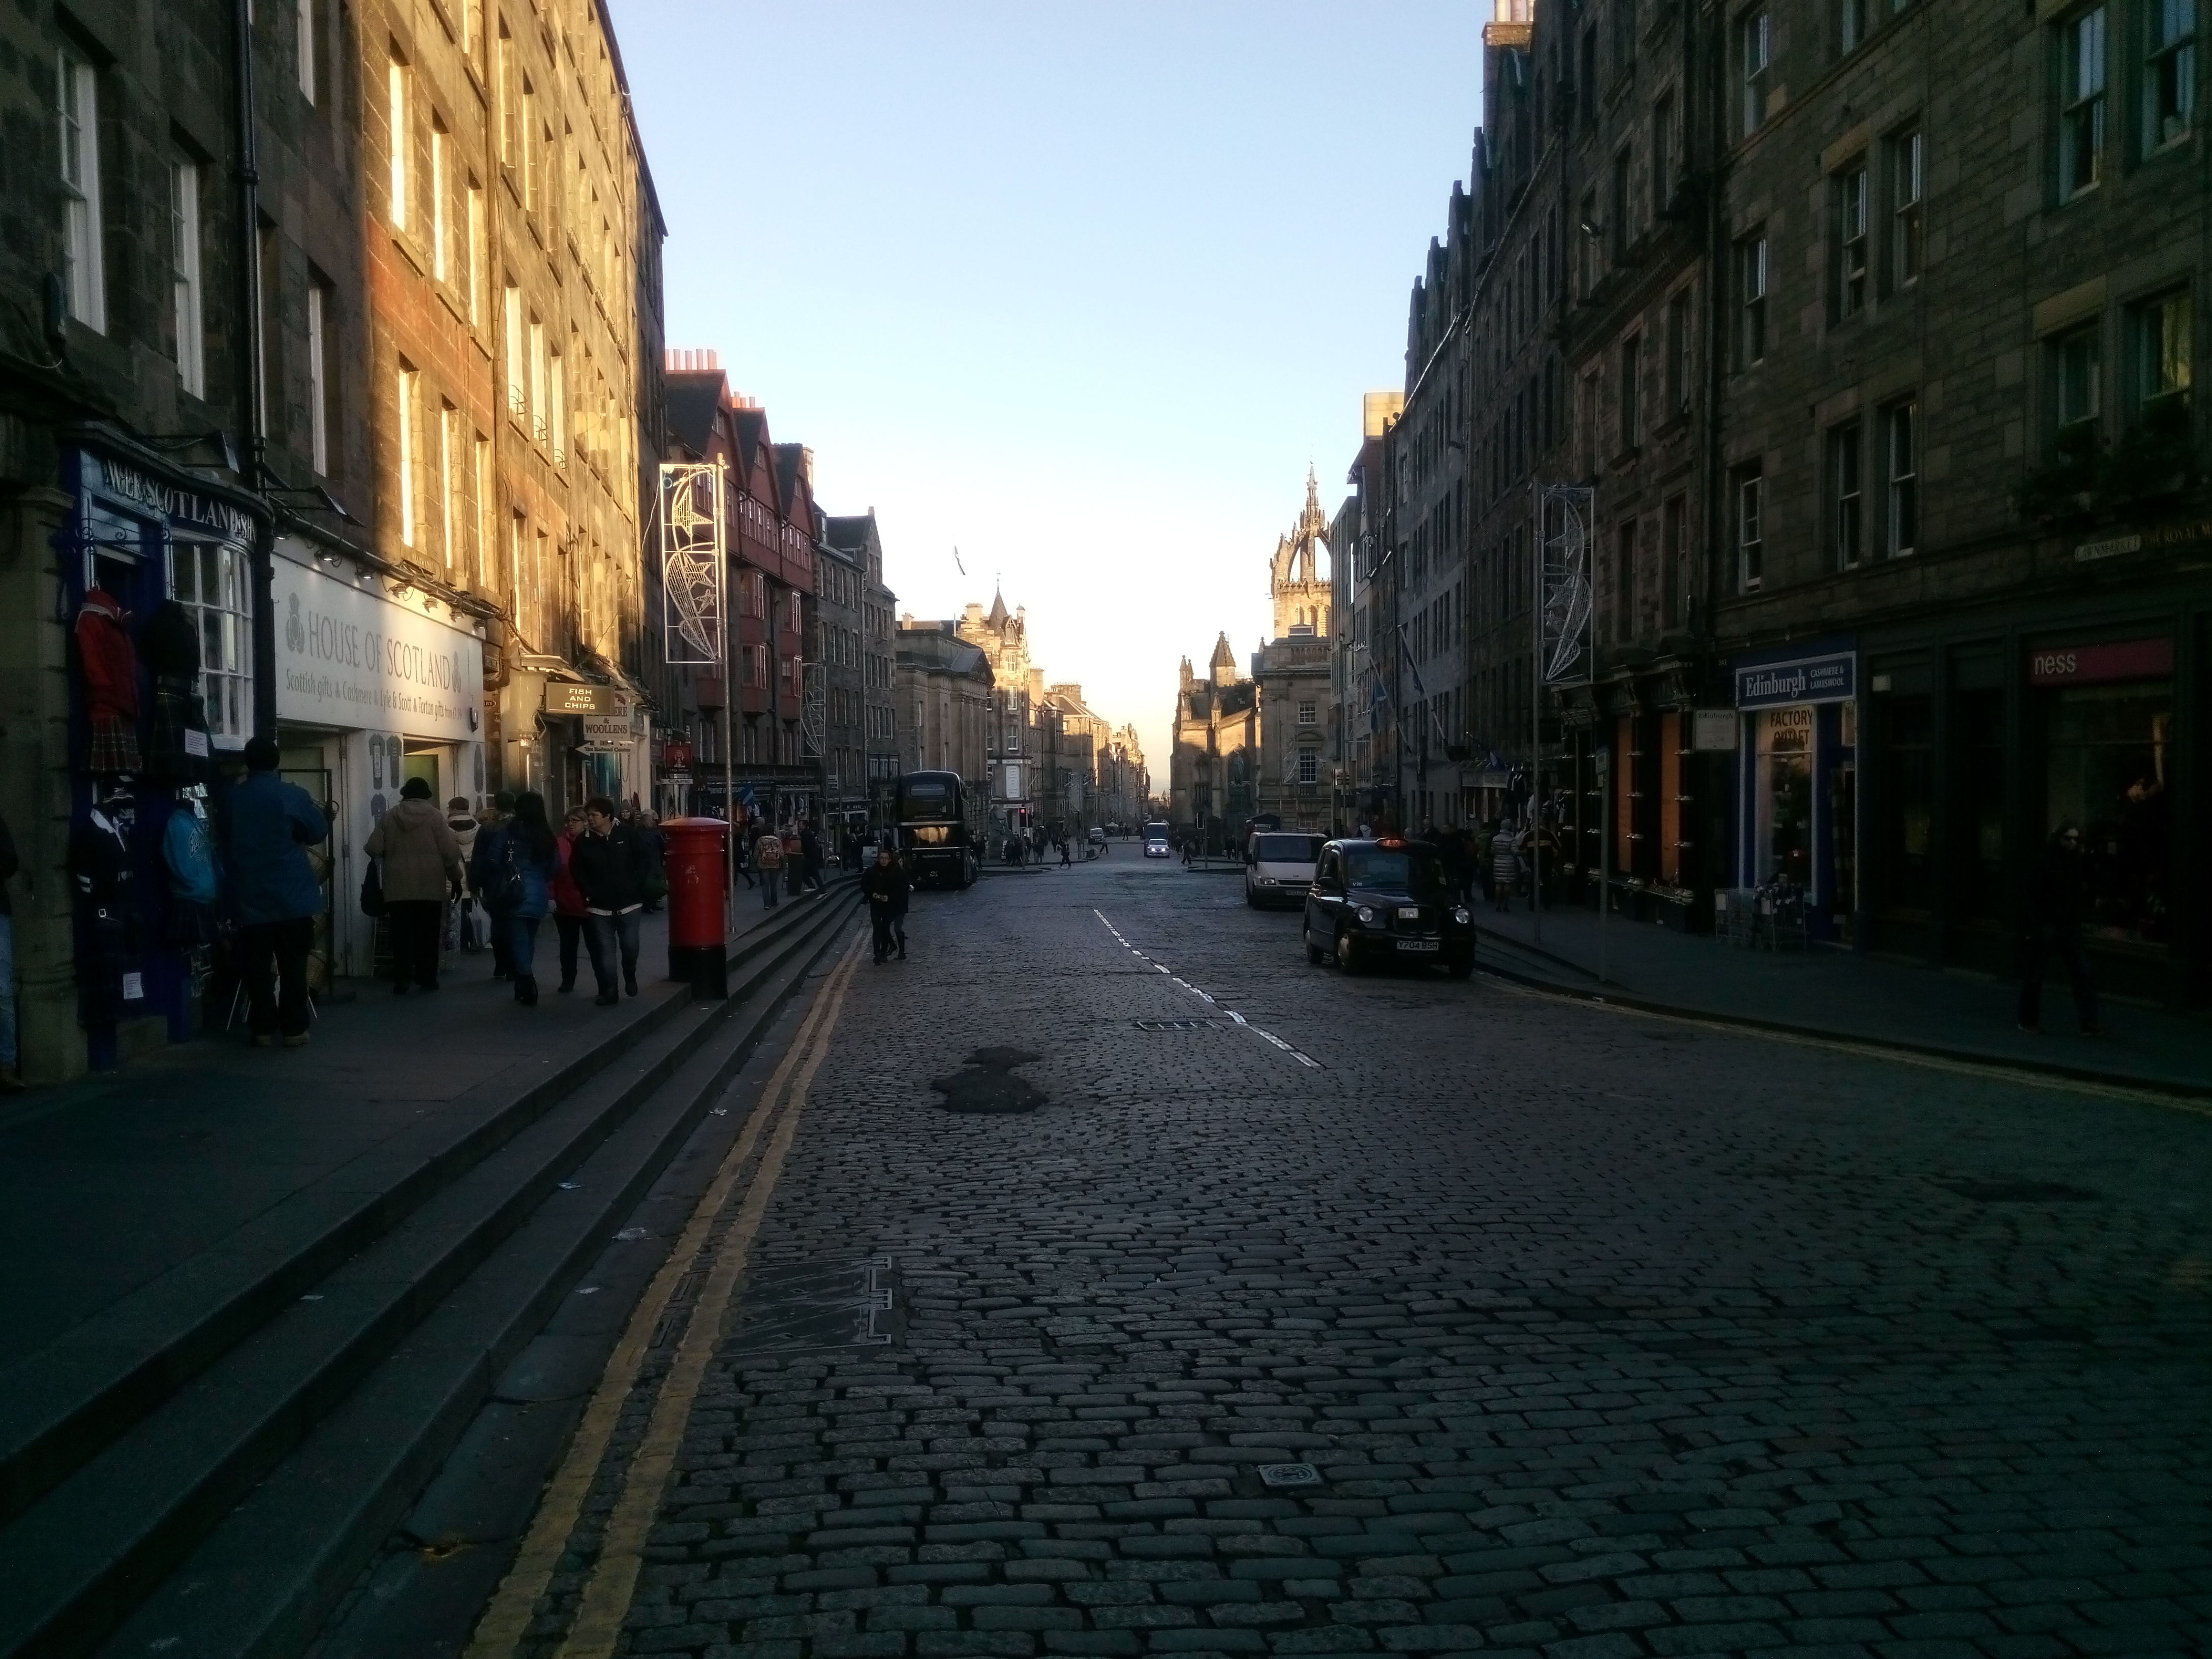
[177, 745]
[109, 663]
[99, 865]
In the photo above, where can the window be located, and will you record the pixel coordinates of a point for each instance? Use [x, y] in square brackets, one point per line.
[405, 388]
[1750, 299]
[1848, 191]
[396, 100]
[2161, 343]
[509, 123]
[2170, 75]
[540, 425]
[184, 274]
[1308, 714]
[85, 282]
[304, 38]
[556, 397]
[471, 278]
[1309, 766]
[481, 473]
[2081, 102]
[1846, 527]
[1851, 24]
[1663, 156]
[1586, 86]
[1621, 163]
[1590, 421]
[1624, 37]
[1675, 593]
[518, 397]
[529, 161]
[1908, 184]
[1900, 506]
[2076, 377]
[1678, 354]
[1750, 528]
[1624, 583]
[1632, 391]
[208, 579]
[319, 378]
[756, 666]
[1754, 59]
[448, 481]
[440, 264]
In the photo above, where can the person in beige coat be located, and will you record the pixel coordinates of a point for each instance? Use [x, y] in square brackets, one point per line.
[421, 868]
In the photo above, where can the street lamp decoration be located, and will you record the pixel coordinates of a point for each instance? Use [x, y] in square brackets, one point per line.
[1564, 652]
[691, 562]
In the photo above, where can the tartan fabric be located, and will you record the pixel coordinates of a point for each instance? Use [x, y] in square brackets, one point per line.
[111, 746]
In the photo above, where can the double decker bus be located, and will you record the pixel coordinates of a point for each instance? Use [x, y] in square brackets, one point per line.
[929, 814]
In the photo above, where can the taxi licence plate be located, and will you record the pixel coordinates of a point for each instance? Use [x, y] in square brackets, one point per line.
[1419, 944]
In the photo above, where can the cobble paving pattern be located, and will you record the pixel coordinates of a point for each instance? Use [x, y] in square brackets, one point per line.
[1608, 1336]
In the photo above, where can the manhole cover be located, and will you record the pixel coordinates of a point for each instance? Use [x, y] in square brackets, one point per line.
[988, 1084]
[2018, 1192]
[1289, 1474]
[815, 1304]
[1179, 1025]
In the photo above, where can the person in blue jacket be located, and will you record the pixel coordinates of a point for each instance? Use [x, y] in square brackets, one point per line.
[268, 825]
[519, 860]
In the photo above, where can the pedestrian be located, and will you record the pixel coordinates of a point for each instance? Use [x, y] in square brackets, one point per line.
[647, 824]
[1505, 866]
[421, 869]
[267, 826]
[609, 867]
[794, 867]
[768, 858]
[500, 808]
[810, 857]
[11, 1070]
[2056, 907]
[886, 887]
[1066, 854]
[742, 829]
[521, 865]
[463, 823]
[569, 911]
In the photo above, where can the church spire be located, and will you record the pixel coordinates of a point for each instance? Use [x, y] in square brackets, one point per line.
[998, 617]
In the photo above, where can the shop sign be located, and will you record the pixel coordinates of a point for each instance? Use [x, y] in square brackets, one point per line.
[607, 731]
[350, 659]
[114, 478]
[567, 697]
[2093, 664]
[1833, 678]
[675, 756]
[1713, 731]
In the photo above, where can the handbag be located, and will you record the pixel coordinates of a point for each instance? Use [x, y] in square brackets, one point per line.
[372, 891]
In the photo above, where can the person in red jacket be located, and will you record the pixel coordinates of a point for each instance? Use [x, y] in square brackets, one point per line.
[568, 908]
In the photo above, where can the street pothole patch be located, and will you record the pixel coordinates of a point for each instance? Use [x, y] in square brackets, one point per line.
[815, 1304]
[987, 1084]
[2019, 1192]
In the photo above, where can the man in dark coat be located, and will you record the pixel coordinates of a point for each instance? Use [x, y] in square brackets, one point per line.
[268, 825]
[886, 887]
[608, 865]
[2055, 908]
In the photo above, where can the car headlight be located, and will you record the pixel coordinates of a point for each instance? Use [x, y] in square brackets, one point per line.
[1459, 915]
[1268, 881]
[1365, 913]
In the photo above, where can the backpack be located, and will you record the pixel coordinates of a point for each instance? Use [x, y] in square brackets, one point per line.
[503, 889]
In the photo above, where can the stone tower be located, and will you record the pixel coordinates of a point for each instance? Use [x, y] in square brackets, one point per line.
[1297, 581]
[1223, 664]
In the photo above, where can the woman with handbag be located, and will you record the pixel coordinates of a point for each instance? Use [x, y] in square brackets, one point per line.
[420, 866]
[520, 866]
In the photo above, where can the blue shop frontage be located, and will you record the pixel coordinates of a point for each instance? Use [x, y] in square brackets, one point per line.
[1796, 801]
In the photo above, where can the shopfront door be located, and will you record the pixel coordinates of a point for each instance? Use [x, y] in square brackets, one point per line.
[2106, 714]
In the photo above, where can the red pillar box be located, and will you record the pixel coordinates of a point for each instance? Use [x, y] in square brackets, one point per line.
[696, 852]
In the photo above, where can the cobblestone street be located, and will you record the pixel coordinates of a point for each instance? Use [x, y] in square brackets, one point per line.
[1604, 1334]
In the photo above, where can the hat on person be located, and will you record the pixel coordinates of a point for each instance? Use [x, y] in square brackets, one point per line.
[415, 789]
[261, 755]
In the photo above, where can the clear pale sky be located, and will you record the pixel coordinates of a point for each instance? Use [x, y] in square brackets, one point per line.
[1080, 291]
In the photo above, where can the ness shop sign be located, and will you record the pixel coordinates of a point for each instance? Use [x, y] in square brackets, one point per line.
[1831, 677]
[352, 658]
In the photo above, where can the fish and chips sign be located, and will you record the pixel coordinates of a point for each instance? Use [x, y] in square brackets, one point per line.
[691, 550]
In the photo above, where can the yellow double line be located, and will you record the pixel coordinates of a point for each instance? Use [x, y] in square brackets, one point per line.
[644, 1480]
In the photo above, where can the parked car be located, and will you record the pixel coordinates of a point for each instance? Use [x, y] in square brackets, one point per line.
[1385, 900]
[1278, 867]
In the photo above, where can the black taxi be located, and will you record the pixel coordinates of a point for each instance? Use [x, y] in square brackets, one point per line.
[1387, 900]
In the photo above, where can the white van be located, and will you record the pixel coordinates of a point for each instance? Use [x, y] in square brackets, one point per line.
[1279, 866]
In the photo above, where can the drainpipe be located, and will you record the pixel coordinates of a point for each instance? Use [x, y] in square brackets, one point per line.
[254, 405]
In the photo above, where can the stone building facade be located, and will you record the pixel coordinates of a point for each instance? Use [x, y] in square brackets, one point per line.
[1213, 770]
[859, 541]
[1292, 671]
[945, 687]
[1017, 790]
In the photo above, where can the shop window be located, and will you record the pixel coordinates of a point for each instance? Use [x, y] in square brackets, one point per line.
[1755, 61]
[1846, 475]
[1908, 190]
[1785, 798]
[184, 274]
[2081, 102]
[1904, 824]
[84, 281]
[208, 579]
[2169, 82]
[1981, 805]
[1671, 798]
[1847, 191]
[2110, 755]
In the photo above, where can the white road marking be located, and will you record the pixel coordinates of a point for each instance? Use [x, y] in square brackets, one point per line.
[1299, 1054]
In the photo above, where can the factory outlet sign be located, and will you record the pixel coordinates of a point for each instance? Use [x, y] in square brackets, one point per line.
[350, 657]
